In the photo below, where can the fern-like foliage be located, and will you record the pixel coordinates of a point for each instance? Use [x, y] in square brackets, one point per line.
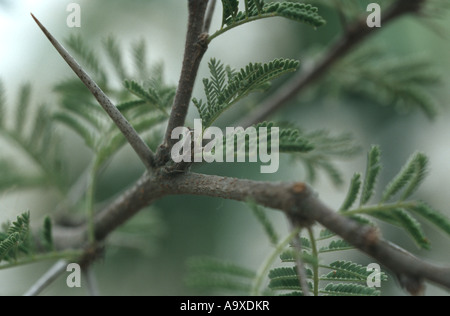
[258, 9]
[336, 245]
[15, 239]
[349, 290]
[35, 138]
[226, 86]
[393, 207]
[340, 278]
[286, 279]
[18, 243]
[345, 271]
[344, 278]
[401, 82]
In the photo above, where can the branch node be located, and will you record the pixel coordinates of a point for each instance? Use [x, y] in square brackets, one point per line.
[300, 209]
[91, 254]
[203, 41]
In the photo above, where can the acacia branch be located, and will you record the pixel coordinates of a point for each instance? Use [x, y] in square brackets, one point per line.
[133, 138]
[196, 46]
[296, 200]
[354, 35]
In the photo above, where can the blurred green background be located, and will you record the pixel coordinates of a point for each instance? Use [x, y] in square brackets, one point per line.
[178, 228]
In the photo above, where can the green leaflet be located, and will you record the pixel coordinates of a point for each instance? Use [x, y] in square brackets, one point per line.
[336, 245]
[286, 279]
[432, 216]
[230, 9]
[16, 238]
[254, 6]
[349, 290]
[326, 234]
[258, 9]
[420, 162]
[298, 12]
[403, 219]
[47, 234]
[151, 96]
[372, 171]
[17, 243]
[8, 244]
[20, 226]
[346, 271]
[290, 255]
[410, 178]
[222, 92]
[130, 105]
[413, 227]
[352, 195]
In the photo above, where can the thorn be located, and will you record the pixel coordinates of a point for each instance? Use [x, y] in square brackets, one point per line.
[133, 138]
[39, 24]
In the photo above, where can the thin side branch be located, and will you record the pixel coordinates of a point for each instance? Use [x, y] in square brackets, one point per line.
[209, 15]
[48, 278]
[354, 35]
[296, 200]
[138, 144]
[91, 281]
[300, 265]
[196, 46]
